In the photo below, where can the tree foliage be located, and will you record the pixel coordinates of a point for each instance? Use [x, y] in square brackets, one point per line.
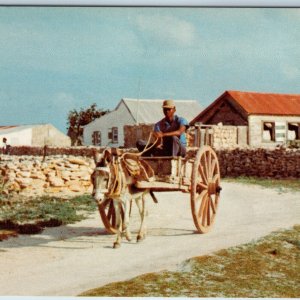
[78, 119]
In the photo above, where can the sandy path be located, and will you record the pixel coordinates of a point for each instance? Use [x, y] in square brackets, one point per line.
[68, 260]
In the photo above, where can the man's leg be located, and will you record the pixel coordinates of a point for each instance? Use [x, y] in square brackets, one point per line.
[173, 147]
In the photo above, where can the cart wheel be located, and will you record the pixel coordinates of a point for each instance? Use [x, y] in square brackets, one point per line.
[205, 188]
[108, 215]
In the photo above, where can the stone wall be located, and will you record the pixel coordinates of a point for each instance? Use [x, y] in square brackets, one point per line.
[278, 163]
[217, 136]
[132, 133]
[68, 175]
[54, 175]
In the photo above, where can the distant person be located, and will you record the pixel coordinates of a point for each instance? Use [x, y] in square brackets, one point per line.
[170, 132]
[5, 147]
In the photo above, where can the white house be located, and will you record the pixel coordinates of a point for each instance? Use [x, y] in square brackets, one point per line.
[109, 129]
[34, 135]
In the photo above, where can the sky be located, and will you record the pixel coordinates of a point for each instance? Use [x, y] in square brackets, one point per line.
[56, 59]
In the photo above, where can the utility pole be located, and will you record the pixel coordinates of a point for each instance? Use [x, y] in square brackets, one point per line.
[138, 102]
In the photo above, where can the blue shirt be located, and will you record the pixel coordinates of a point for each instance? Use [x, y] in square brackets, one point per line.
[164, 126]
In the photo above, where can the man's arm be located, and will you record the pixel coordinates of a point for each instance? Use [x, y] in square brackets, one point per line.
[178, 132]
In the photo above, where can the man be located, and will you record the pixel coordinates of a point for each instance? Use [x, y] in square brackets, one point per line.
[4, 145]
[170, 132]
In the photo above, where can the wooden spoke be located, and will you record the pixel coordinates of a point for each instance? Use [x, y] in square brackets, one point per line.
[202, 185]
[213, 166]
[212, 204]
[202, 174]
[108, 215]
[203, 211]
[208, 210]
[205, 167]
[205, 179]
[199, 201]
[208, 164]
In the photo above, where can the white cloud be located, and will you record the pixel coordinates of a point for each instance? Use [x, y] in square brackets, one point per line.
[167, 28]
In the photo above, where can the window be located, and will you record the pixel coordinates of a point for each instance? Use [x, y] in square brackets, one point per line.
[96, 138]
[293, 131]
[115, 135]
[268, 134]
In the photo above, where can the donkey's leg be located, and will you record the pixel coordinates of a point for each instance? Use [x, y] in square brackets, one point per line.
[141, 203]
[127, 206]
[117, 206]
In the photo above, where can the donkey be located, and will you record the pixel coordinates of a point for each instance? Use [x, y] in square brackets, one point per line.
[106, 175]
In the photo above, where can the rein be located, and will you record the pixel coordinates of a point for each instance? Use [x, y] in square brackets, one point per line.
[135, 168]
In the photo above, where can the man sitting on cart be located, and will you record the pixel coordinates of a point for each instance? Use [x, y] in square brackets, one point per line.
[170, 132]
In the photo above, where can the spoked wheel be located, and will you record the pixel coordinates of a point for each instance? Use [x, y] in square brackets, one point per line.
[205, 188]
[108, 215]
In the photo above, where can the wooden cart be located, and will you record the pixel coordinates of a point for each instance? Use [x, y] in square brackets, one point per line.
[197, 174]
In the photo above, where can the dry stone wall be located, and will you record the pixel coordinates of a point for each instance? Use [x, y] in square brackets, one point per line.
[54, 175]
[68, 175]
[278, 163]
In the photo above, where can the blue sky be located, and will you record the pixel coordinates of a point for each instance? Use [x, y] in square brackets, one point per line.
[55, 59]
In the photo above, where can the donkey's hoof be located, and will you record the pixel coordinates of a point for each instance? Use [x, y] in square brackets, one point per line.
[116, 245]
[140, 238]
[128, 238]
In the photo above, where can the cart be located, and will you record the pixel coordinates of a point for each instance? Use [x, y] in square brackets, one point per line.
[197, 174]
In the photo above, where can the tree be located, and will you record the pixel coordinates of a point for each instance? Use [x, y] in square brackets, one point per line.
[77, 119]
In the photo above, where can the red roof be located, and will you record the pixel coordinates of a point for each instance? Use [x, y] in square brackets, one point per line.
[7, 127]
[266, 103]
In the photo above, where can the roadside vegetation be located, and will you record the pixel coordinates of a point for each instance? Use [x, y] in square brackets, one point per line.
[279, 184]
[268, 267]
[32, 215]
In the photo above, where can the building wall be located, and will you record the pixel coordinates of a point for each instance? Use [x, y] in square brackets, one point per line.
[18, 138]
[117, 118]
[217, 136]
[48, 135]
[256, 129]
[227, 115]
[132, 133]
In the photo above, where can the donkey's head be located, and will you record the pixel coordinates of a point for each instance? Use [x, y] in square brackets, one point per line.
[101, 174]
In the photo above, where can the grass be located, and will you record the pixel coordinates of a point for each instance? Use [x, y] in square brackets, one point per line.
[280, 184]
[269, 267]
[22, 214]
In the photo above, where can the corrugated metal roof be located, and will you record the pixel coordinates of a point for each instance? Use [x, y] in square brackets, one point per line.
[149, 111]
[267, 103]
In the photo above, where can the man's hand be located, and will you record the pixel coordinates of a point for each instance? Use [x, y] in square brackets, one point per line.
[158, 134]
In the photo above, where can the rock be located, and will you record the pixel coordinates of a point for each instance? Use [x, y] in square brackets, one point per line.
[24, 174]
[38, 175]
[56, 182]
[78, 161]
[65, 175]
[24, 182]
[75, 188]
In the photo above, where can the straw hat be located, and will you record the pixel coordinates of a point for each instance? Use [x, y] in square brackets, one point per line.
[168, 104]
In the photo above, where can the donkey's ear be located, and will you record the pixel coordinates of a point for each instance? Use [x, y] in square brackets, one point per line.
[107, 155]
[97, 157]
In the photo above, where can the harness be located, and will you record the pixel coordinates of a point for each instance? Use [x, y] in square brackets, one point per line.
[134, 167]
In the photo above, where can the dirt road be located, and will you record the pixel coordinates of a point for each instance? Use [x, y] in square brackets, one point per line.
[68, 260]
